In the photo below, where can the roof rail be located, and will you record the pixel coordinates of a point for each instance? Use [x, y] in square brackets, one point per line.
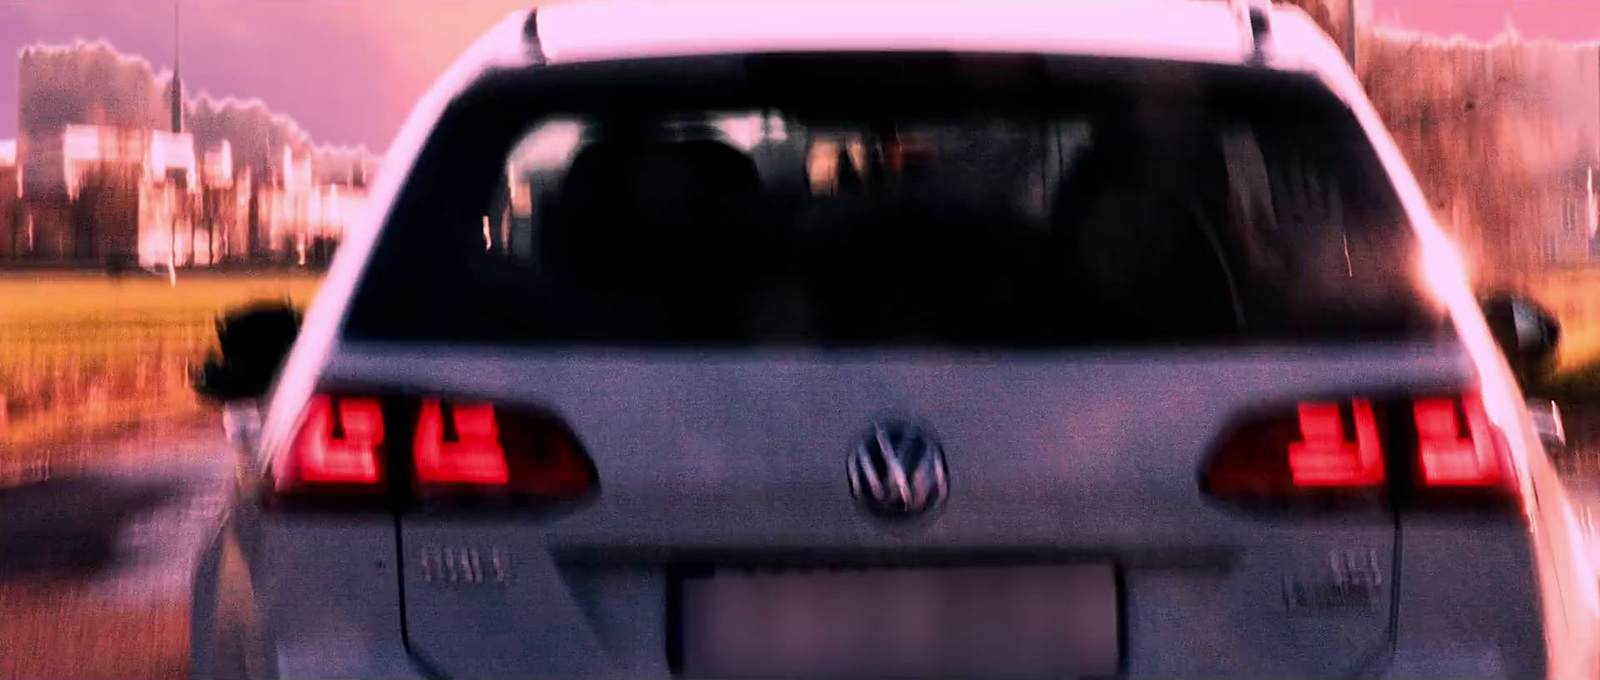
[1255, 21]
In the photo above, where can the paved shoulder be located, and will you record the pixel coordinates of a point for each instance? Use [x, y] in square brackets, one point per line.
[96, 558]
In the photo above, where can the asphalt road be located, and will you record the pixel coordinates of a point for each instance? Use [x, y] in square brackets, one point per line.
[95, 560]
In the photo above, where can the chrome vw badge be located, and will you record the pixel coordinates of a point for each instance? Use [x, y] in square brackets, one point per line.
[897, 470]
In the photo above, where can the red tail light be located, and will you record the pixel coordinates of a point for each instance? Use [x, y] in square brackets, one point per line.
[1313, 448]
[458, 453]
[522, 453]
[1456, 444]
[338, 443]
[544, 459]
[1431, 450]
[559, 471]
[463, 447]
[1327, 455]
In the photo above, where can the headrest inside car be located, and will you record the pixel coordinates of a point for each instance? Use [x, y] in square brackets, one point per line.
[651, 206]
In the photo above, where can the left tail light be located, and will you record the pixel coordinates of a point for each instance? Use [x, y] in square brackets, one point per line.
[411, 451]
[482, 451]
[338, 444]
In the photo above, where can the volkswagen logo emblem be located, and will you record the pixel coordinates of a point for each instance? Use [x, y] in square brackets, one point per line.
[898, 471]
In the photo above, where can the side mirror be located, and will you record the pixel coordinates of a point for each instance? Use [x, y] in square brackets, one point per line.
[1547, 423]
[254, 341]
[1527, 333]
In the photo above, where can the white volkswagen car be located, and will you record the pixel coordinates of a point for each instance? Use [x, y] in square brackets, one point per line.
[809, 339]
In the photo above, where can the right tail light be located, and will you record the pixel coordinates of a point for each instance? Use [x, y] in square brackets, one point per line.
[457, 452]
[1415, 449]
[1456, 445]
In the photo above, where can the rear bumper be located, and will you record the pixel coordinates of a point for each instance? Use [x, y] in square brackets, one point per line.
[310, 663]
[303, 598]
[1450, 663]
[1470, 601]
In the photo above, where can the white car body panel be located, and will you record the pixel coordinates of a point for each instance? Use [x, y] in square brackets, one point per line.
[604, 31]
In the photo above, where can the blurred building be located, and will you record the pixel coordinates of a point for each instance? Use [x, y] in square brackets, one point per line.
[48, 221]
[223, 203]
[103, 172]
[113, 166]
[133, 197]
[168, 209]
[123, 197]
[40, 163]
[12, 235]
[300, 219]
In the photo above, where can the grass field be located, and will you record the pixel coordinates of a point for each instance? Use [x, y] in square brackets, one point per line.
[80, 354]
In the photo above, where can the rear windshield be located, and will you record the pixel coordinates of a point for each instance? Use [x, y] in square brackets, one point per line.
[894, 200]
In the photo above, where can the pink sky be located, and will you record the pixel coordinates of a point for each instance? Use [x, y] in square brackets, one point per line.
[348, 70]
[1482, 19]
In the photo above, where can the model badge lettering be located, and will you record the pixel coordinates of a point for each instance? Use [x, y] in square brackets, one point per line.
[464, 566]
[1352, 583]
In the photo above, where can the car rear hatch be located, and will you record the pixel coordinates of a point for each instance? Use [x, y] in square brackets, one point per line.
[1090, 279]
[725, 504]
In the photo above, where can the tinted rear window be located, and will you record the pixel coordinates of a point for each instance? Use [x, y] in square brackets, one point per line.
[894, 200]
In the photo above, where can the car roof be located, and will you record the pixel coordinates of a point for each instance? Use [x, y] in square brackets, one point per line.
[1210, 31]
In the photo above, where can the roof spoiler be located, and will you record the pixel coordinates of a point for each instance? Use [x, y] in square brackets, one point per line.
[1255, 22]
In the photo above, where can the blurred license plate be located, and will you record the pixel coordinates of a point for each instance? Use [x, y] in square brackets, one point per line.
[1021, 622]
